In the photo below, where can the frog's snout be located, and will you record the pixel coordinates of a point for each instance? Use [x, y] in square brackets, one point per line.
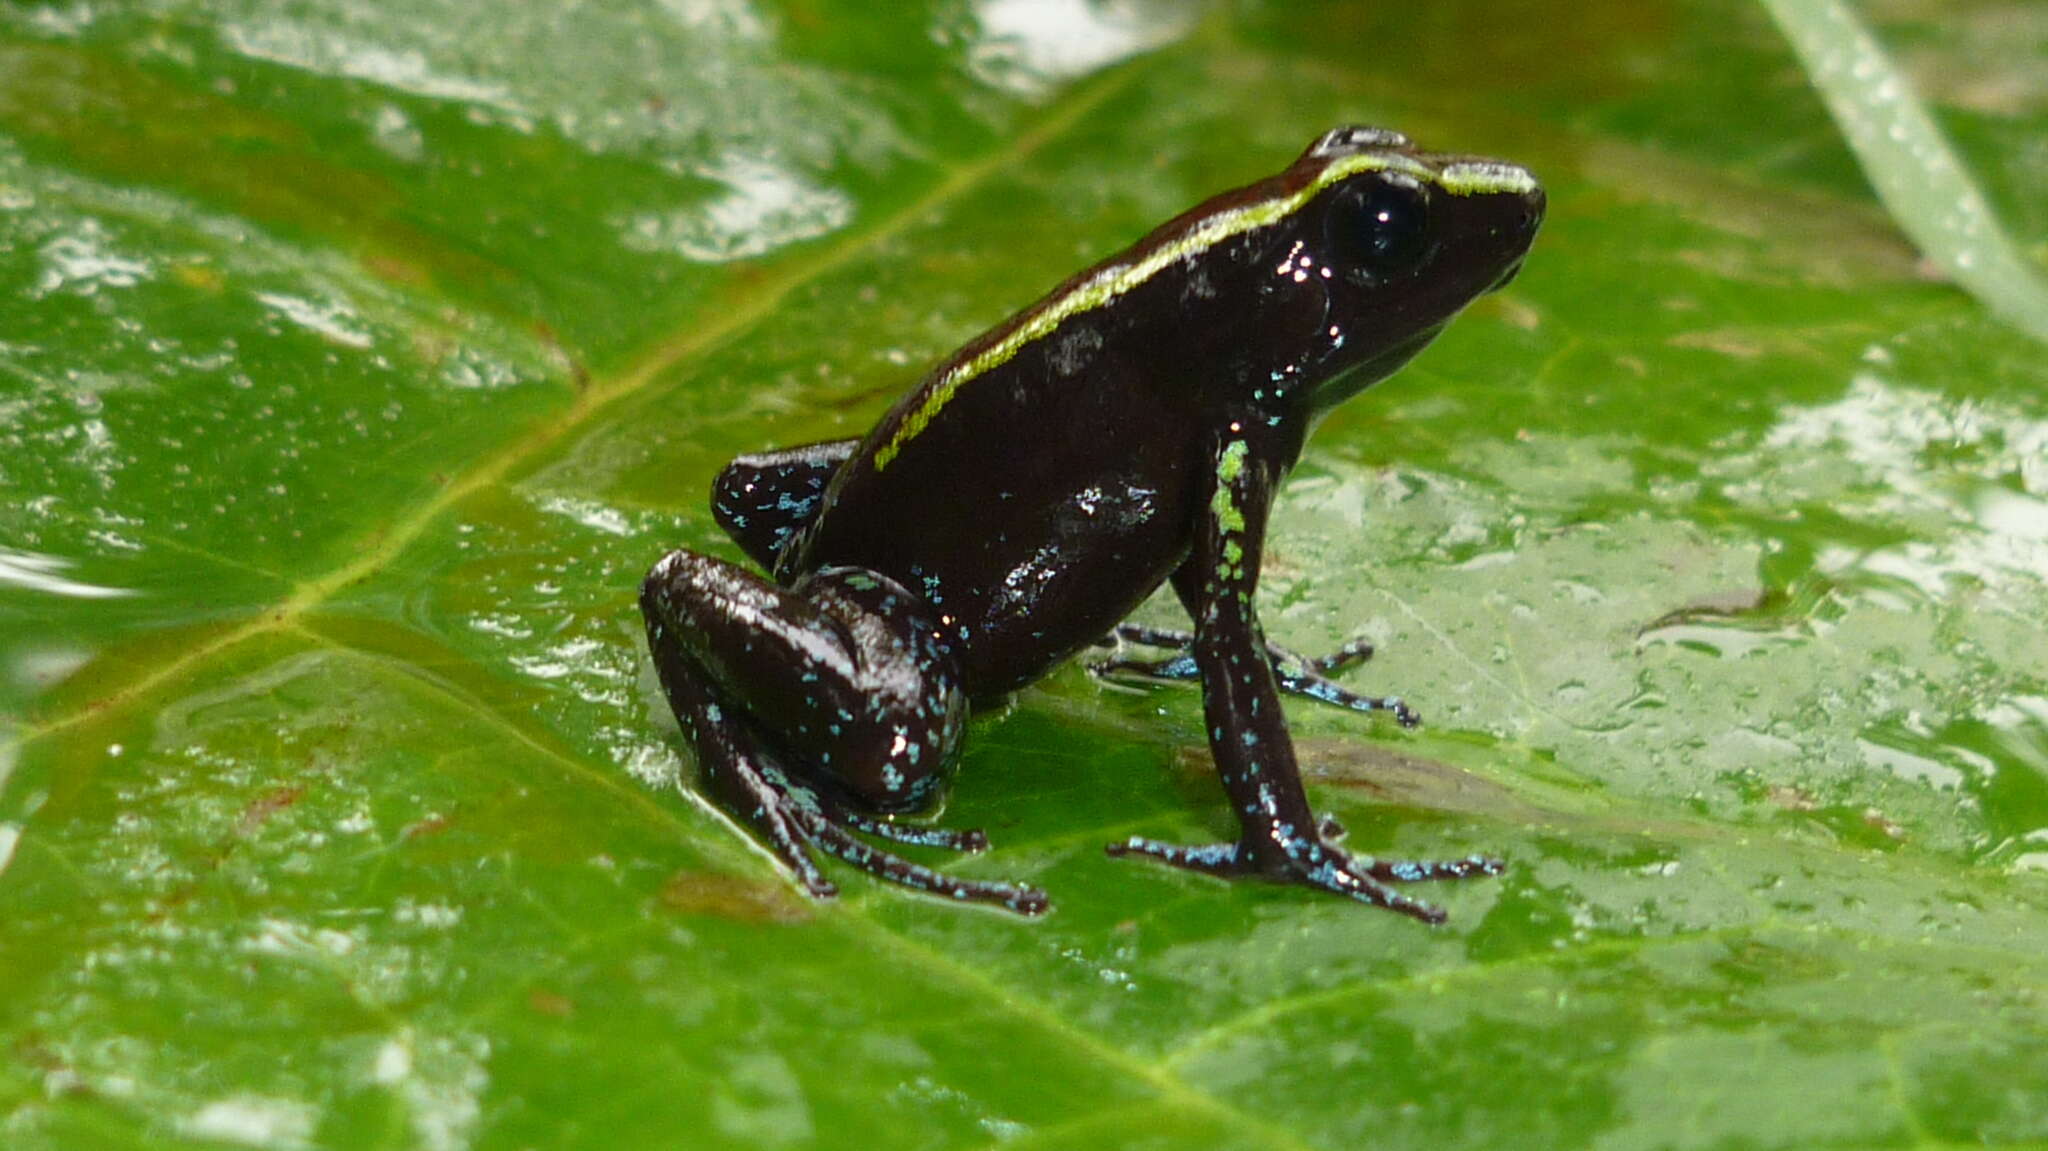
[1526, 223]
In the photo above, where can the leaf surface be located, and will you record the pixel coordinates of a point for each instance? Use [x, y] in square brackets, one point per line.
[361, 356]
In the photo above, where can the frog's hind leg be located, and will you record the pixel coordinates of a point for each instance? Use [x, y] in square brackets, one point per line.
[1293, 672]
[805, 704]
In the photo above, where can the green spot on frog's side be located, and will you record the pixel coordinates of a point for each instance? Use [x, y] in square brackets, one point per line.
[1223, 505]
[1225, 510]
[1231, 465]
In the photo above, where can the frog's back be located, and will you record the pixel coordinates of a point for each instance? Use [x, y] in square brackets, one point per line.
[1035, 508]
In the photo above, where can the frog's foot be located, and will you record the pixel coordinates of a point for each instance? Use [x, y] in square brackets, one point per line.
[794, 818]
[1319, 865]
[1292, 672]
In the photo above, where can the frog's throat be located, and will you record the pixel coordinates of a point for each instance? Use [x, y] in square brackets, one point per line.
[1459, 178]
[1367, 372]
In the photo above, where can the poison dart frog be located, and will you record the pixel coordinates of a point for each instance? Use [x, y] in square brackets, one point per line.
[1130, 428]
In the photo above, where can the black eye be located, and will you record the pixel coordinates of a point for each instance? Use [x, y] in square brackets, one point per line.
[1381, 226]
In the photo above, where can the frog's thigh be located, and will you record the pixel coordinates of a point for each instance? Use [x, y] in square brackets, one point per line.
[839, 672]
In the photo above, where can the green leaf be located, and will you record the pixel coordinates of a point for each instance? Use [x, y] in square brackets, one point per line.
[360, 357]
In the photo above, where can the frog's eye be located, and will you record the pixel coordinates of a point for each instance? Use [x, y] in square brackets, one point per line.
[1381, 227]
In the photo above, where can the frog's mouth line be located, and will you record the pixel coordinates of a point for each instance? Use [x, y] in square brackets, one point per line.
[1508, 277]
[1394, 355]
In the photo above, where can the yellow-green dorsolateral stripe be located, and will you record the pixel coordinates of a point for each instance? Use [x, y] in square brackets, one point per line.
[1460, 178]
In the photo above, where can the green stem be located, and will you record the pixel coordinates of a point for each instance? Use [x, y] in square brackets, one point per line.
[1909, 162]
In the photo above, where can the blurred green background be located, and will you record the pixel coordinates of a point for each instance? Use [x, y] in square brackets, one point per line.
[357, 357]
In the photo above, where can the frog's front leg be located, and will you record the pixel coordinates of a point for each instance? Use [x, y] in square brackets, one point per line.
[809, 703]
[1281, 837]
[764, 499]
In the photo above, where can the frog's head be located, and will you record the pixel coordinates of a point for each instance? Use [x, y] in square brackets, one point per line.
[1401, 240]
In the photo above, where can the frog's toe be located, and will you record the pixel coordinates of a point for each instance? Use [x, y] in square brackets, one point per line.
[1394, 901]
[783, 813]
[1307, 681]
[1176, 668]
[1224, 859]
[898, 870]
[793, 848]
[1293, 672]
[1354, 879]
[1418, 870]
[817, 886]
[1350, 655]
[971, 840]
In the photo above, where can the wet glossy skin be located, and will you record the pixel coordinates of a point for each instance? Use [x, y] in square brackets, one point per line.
[1130, 428]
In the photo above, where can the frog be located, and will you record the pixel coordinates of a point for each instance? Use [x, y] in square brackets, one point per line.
[1131, 429]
